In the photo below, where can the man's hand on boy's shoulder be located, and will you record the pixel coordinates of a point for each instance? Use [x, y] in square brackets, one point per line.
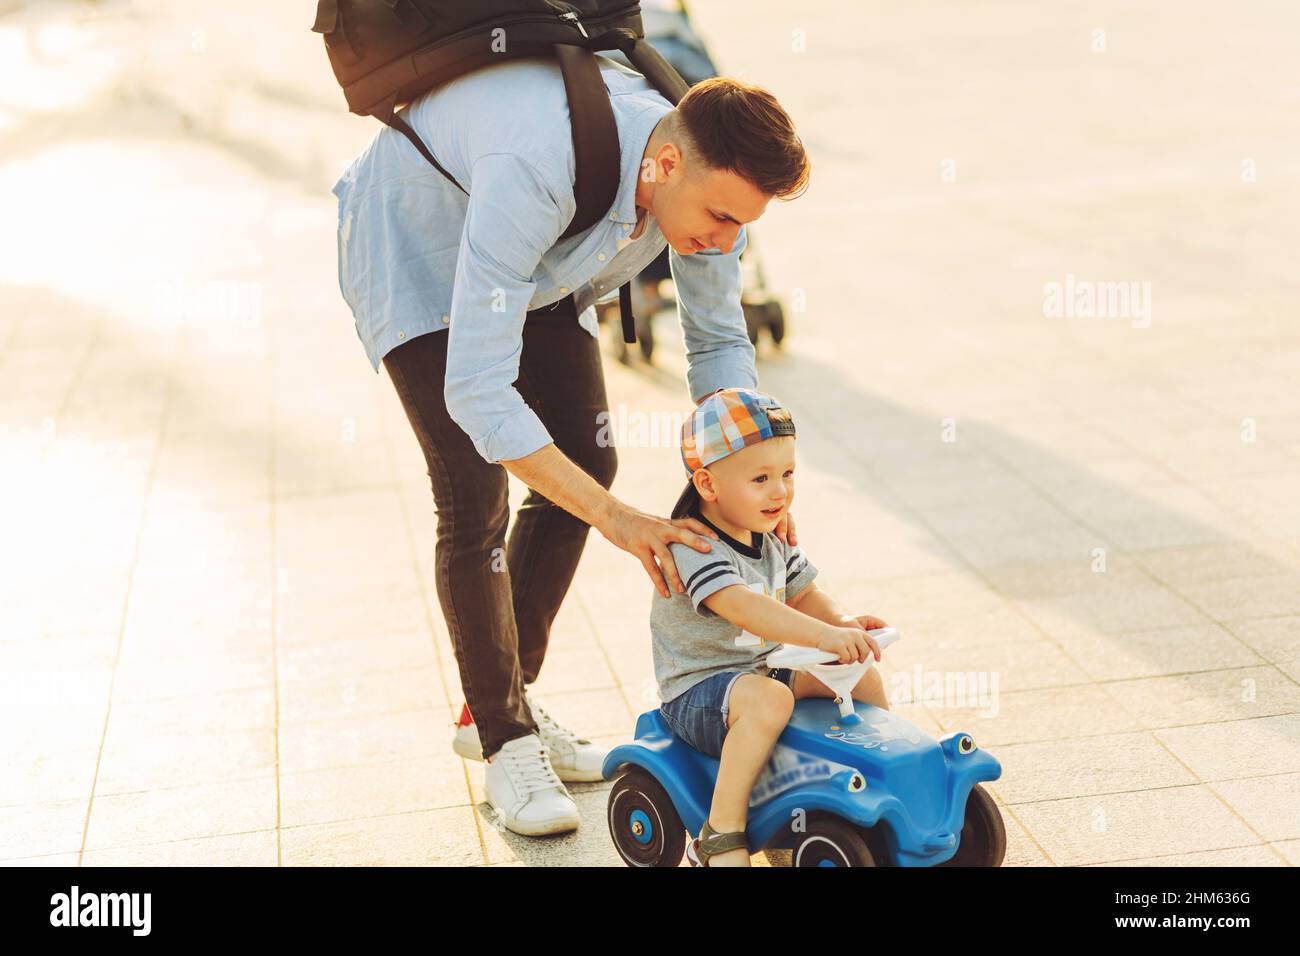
[649, 538]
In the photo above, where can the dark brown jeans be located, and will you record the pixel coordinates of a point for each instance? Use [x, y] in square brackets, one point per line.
[500, 618]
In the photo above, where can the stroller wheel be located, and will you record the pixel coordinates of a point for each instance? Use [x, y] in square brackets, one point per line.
[752, 321]
[776, 322]
[645, 337]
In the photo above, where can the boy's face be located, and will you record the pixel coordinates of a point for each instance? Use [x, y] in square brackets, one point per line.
[753, 487]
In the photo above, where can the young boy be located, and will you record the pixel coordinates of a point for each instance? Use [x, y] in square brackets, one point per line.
[745, 598]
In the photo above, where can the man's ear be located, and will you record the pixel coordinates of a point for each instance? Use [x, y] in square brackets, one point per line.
[669, 155]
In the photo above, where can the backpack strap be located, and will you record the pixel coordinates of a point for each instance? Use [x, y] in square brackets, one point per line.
[664, 78]
[595, 140]
[389, 116]
[661, 74]
[595, 136]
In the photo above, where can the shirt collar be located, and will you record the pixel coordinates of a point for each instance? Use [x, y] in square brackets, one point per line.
[638, 134]
[753, 550]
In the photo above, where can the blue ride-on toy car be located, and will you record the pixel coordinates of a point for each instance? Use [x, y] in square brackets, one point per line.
[848, 784]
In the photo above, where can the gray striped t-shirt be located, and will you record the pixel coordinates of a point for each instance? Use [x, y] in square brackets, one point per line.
[689, 641]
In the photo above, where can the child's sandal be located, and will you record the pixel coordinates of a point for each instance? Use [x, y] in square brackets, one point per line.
[710, 843]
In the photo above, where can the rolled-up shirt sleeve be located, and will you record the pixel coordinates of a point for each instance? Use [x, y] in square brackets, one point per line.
[513, 217]
[718, 351]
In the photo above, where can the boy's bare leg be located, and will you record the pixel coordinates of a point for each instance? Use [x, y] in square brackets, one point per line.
[870, 689]
[757, 714]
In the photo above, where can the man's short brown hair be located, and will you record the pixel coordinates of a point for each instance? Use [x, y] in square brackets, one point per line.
[741, 128]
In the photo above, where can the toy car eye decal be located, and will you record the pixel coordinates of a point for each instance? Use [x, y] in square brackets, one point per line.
[857, 783]
[965, 744]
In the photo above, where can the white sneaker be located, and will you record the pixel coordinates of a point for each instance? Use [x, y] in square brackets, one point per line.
[574, 759]
[525, 792]
[466, 742]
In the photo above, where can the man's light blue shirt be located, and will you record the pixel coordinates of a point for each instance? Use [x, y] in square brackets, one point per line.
[416, 255]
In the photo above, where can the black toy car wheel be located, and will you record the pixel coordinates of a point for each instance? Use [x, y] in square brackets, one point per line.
[983, 840]
[643, 822]
[831, 842]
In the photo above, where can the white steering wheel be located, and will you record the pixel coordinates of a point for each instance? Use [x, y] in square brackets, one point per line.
[825, 666]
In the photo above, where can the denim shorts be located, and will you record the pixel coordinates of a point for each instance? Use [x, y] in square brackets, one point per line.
[699, 716]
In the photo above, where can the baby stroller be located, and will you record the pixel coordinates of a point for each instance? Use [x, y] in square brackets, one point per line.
[667, 25]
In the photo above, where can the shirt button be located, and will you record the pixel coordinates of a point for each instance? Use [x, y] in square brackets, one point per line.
[601, 256]
[401, 335]
[446, 319]
[563, 291]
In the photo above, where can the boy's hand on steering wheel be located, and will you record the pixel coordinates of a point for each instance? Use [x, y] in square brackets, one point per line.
[866, 622]
[849, 644]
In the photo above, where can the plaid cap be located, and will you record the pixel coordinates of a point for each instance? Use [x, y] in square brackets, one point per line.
[723, 423]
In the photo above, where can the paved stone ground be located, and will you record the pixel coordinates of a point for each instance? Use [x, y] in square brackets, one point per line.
[219, 641]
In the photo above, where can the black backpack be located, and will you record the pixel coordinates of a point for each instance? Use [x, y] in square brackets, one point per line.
[385, 53]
